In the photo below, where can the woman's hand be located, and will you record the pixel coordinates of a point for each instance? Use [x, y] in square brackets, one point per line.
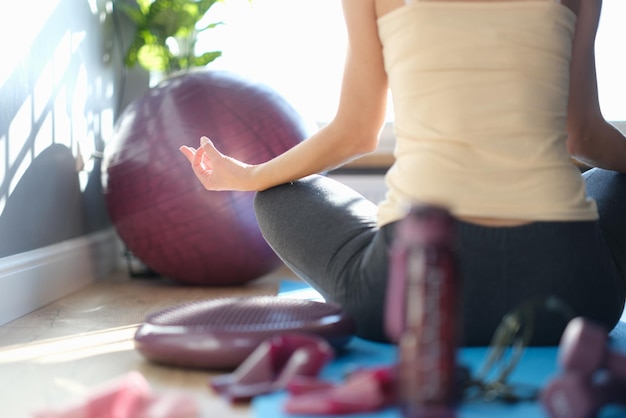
[217, 171]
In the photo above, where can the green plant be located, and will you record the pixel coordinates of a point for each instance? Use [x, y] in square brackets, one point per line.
[166, 32]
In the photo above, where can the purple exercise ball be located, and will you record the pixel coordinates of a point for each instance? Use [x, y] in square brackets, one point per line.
[158, 207]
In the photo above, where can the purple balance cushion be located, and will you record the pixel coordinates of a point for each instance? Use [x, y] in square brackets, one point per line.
[221, 333]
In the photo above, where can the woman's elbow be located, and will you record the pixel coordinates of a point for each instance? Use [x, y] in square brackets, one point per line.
[358, 138]
[367, 144]
[577, 145]
[581, 132]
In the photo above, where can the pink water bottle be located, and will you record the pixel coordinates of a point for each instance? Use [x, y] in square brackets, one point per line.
[422, 312]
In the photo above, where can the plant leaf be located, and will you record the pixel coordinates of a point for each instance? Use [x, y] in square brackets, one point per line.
[154, 57]
[144, 5]
[210, 26]
[206, 58]
[131, 53]
[136, 15]
[167, 17]
[205, 5]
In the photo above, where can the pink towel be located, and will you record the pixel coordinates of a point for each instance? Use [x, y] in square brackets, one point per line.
[127, 397]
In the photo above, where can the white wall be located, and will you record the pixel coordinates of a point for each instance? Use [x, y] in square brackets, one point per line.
[57, 109]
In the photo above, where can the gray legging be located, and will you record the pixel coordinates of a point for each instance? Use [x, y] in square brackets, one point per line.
[327, 234]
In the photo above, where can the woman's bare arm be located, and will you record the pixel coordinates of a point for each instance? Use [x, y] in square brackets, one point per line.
[354, 130]
[592, 140]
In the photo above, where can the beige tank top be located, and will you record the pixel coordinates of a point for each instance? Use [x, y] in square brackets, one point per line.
[480, 95]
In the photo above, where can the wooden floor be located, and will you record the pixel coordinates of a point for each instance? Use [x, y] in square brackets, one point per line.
[61, 351]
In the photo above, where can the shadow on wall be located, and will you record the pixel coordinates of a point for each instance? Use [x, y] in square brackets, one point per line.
[46, 206]
[56, 106]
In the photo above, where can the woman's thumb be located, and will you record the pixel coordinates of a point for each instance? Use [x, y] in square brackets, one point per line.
[207, 146]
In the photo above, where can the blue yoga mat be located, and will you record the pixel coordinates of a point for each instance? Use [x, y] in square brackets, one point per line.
[537, 366]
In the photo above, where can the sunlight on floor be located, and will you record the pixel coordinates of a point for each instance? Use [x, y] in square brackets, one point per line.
[73, 347]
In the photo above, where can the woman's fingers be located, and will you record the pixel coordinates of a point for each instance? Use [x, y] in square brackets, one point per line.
[207, 146]
[198, 158]
[200, 163]
[188, 152]
[215, 170]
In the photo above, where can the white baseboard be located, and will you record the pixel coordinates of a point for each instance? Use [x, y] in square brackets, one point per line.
[35, 278]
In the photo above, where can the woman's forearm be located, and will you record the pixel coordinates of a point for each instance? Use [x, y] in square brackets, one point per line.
[329, 148]
[603, 146]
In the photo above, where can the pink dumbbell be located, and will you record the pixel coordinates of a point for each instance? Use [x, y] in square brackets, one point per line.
[584, 348]
[573, 395]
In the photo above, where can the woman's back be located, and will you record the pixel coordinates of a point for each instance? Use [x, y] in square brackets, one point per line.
[480, 92]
